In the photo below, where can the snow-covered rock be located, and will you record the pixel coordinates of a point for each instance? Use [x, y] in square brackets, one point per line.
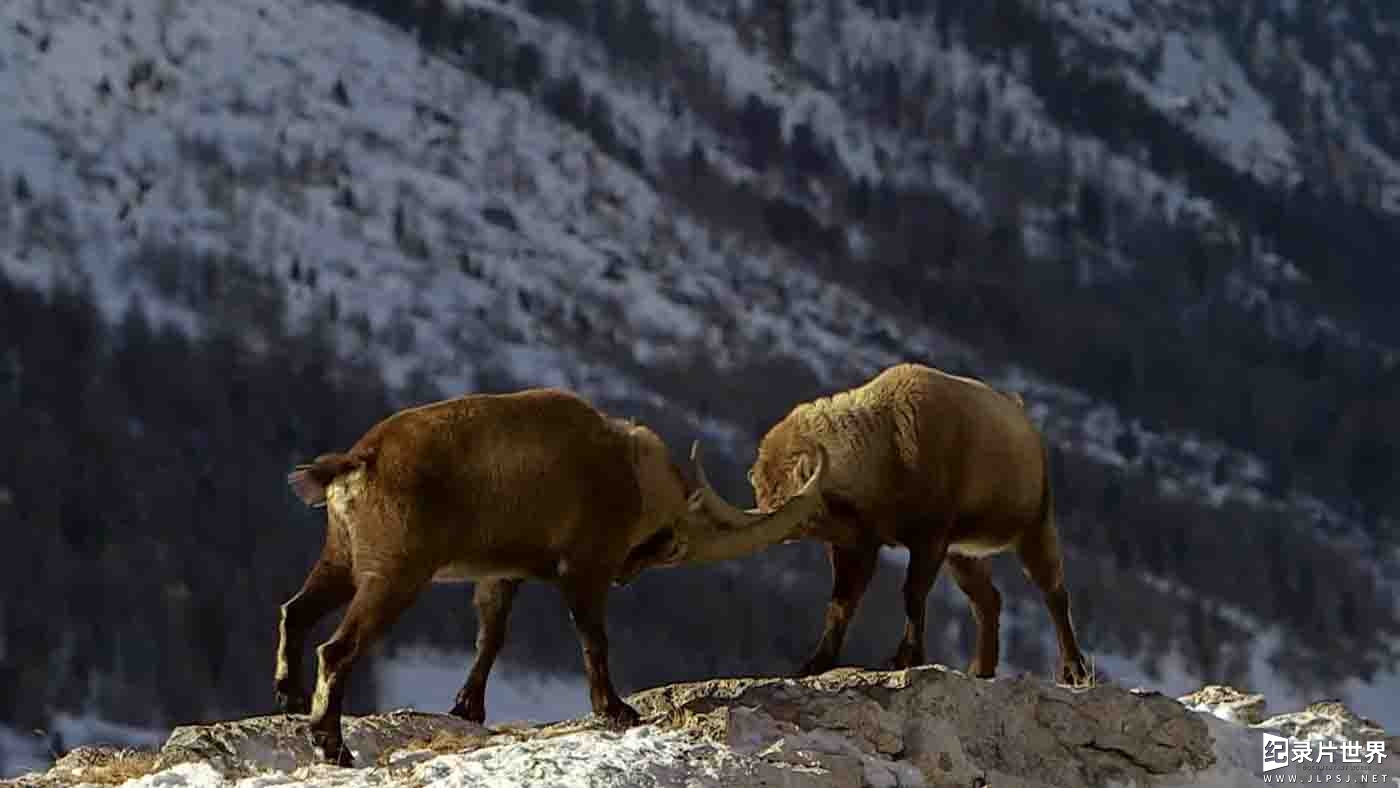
[1227, 703]
[928, 726]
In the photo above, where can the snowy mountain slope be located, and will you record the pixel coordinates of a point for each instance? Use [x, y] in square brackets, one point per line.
[1289, 94]
[951, 79]
[511, 221]
[1190, 72]
[254, 157]
[461, 231]
[1187, 69]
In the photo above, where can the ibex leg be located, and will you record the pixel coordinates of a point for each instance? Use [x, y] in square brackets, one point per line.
[851, 571]
[975, 580]
[378, 602]
[493, 600]
[327, 587]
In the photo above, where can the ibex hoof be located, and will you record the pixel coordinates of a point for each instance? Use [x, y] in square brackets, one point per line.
[813, 668]
[905, 659]
[332, 750]
[293, 703]
[343, 758]
[621, 717]
[1075, 673]
[981, 673]
[471, 712]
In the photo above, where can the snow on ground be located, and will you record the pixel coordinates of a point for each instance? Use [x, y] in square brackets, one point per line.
[589, 759]
[641, 756]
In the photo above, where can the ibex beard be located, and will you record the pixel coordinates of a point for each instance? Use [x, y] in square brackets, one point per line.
[501, 488]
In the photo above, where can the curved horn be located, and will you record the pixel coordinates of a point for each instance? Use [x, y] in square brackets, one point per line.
[720, 530]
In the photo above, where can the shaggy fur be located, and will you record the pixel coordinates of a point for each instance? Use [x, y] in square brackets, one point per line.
[944, 465]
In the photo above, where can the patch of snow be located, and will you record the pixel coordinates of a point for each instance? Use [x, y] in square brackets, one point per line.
[1199, 82]
[21, 753]
[427, 679]
[88, 728]
[587, 759]
[642, 755]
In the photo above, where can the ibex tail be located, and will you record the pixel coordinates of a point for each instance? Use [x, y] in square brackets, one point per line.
[309, 481]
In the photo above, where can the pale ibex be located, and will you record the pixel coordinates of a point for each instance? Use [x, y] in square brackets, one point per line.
[944, 465]
[536, 484]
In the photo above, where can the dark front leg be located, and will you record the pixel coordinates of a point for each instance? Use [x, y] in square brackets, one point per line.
[586, 597]
[851, 571]
[493, 600]
[327, 587]
[925, 559]
[975, 581]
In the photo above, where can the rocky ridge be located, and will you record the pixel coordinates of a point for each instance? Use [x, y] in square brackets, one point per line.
[928, 726]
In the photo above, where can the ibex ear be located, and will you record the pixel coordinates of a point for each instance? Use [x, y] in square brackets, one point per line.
[799, 469]
[806, 463]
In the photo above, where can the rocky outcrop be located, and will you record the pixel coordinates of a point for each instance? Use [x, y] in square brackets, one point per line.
[923, 727]
[949, 728]
[280, 742]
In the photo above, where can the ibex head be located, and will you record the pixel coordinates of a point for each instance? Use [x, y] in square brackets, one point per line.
[719, 530]
[709, 528]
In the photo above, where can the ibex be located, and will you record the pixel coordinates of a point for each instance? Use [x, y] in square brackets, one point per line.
[499, 488]
[946, 466]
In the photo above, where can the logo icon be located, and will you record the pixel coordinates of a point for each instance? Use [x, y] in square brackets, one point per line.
[1275, 752]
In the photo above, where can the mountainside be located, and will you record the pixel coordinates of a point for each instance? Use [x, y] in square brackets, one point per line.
[234, 234]
[845, 729]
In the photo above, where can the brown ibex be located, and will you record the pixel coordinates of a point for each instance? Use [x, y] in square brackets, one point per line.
[498, 488]
[946, 466]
